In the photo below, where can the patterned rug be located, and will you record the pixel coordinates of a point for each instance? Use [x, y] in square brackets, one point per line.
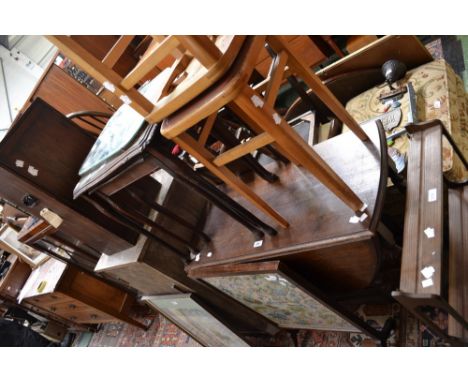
[162, 333]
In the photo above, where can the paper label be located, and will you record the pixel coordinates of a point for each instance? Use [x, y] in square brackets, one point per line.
[109, 86]
[257, 101]
[437, 104]
[354, 219]
[363, 217]
[258, 243]
[427, 283]
[429, 232]
[33, 171]
[125, 99]
[432, 195]
[276, 118]
[427, 272]
[19, 163]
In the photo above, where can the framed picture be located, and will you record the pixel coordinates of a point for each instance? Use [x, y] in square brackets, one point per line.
[278, 293]
[9, 243]
[190, 315]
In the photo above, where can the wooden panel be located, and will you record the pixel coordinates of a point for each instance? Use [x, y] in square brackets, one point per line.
[66, 94]
[100, 45]
[13, 281]
[77, 297]
[92, 291]
[423, 216]
[404, 48]
[340, 268]
[302, 45]
[458, 258]
[318, 218]
[46, 141]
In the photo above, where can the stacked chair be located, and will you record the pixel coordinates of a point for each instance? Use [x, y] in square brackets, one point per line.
[207, 75]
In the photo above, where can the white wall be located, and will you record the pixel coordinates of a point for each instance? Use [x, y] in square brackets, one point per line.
[23, 65]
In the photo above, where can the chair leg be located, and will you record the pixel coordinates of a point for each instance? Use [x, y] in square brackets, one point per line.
[290, 141]
[225, 136]
[183, 173]
[186, 142]
[279, 44]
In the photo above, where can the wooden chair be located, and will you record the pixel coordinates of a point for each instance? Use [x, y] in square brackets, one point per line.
[215, 64]
[431, 276]
[259, 113]
[184, 80]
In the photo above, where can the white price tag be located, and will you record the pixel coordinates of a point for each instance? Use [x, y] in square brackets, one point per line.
[429, 232]
[432, 195]
[258, 244]
[427, 283]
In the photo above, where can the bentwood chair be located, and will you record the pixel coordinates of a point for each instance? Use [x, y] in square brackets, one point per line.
[170, 77]
[197, 62]
[257, 110]
[232, 90]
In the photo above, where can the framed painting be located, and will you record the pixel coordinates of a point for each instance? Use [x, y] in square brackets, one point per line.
[192, 316]
[10, 243]
[278, 293]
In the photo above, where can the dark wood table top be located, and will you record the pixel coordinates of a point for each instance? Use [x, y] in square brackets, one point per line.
[318, 218]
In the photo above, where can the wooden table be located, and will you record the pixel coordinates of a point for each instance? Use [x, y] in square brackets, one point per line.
[321, 242]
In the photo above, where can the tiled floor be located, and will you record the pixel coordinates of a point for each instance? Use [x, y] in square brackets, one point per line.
[454, 49]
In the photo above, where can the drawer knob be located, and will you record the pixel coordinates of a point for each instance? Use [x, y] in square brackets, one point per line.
[72, 306]
[53, 309]
[94, 316]
[29, 200]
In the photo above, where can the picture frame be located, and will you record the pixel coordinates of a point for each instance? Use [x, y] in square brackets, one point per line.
[278, 293]
[9, 243]
[192, 316]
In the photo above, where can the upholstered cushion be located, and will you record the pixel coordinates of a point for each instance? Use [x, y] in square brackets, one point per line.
[440, 95]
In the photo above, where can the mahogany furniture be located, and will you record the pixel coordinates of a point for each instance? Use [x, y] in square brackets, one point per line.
[10, 243]
[39, 161]
[432, 276]
[282, 295]
[355, 43]
[209, 66]
[147, 153]
[210, 56]
[340, 251]
[152, 269]
[14, 279]
[75, 296]
[261, 116]
[407, 49]
[64, 93]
